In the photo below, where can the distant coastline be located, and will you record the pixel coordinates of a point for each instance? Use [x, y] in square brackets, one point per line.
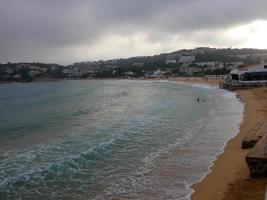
[182, 63]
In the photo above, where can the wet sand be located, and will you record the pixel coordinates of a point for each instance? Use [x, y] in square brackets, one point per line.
[229, 177]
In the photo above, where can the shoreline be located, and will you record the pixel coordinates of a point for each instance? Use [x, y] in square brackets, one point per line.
[228, 176]
[196, 80]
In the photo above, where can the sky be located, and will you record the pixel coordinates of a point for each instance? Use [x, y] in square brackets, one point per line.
[67, 31]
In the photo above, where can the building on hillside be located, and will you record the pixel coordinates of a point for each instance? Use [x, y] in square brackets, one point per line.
[33, 73]
[210, 68]
[170, 61]
[194, 69]
[183, 69]
[234, 63]
[172, 58]
[231, 67]
[74, 72]
[130, 73]
[189, 70]
[242, 56]
[81, 70]
[186, 59]
[259, 55]
[65, 71]
[39, 69]
[17, 77]
[155, 74]
[208, 64]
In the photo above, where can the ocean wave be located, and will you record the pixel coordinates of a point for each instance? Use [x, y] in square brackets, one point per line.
[41, 176]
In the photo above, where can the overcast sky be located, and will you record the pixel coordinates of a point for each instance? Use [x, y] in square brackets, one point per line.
[67, 31]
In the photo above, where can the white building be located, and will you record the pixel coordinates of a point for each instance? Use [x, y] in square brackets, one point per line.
[129, 73]
[251, 74]
[154, 74]
[170, 61]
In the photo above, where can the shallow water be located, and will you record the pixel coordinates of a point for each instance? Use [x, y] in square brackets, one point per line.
[110, 139]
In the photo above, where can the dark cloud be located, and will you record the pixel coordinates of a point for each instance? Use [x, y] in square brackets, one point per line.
[34, 29]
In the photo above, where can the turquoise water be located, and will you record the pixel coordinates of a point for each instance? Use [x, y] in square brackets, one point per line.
[110, 139]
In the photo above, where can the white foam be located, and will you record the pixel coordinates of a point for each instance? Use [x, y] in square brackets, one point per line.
[234, 110]
[200, 85]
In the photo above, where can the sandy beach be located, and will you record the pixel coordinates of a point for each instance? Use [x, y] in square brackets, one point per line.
[196, 80]
[229, 177]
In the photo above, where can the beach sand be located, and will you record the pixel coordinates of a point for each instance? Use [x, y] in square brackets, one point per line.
[229, 177]
[196, 80]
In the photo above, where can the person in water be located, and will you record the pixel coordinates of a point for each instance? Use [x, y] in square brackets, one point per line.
[199, 100]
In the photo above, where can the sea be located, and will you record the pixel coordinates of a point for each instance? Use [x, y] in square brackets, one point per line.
[111, 139]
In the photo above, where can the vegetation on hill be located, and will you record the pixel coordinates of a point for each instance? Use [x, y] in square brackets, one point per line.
[134, 66]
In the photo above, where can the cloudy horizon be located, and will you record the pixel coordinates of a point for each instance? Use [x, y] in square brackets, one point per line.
[67, 31]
